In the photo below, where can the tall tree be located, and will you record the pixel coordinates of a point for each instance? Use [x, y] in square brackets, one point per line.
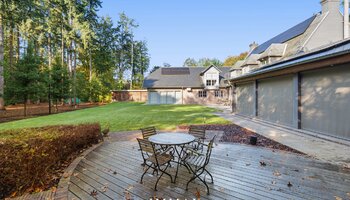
[190, 62]
[27, 76]
[231, 60]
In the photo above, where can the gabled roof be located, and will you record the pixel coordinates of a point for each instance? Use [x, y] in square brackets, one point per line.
[237, 65]
[285, 36]
[275, 50]
[191, 80]
[209, 68]
[251, 60]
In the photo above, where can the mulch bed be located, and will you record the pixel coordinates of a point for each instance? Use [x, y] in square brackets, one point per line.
[15, 112]
[236, 134]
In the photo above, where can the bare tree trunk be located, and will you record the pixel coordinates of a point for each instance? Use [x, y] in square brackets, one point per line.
[25, 106]
[75, 77]
[11, 47]
[90, 66]
[18, 44]
[132, 65]
[2, 101]
[50, 55]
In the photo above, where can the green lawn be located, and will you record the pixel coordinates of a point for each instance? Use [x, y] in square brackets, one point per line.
[127, 116]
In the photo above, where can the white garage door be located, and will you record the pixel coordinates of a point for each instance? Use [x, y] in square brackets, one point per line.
[153, 98]
[326, 101]
[245, 99]
[165, 97]
[275, 100]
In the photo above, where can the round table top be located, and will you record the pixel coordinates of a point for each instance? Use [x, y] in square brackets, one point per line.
[171, 138]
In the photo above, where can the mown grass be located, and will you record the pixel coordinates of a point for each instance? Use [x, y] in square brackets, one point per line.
[126, 116]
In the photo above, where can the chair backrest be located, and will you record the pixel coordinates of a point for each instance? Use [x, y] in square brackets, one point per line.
[209, 150]
[197, 132]
[146, 147]
[148, 132]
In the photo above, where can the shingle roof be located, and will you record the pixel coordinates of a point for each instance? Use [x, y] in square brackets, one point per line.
[237, 65]
[285, 36]
[274, 50]
[336, 49]
[192, 80]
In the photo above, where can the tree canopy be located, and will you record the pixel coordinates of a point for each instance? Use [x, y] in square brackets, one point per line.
[82, 55]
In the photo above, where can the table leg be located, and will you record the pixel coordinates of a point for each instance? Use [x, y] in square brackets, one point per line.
[179, 159]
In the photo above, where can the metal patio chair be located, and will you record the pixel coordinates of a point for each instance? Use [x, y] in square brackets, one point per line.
[159, 162]
[197, 162]
[199, 134]
[148, 132]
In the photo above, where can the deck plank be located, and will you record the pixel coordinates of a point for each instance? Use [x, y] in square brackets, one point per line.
[236, 170]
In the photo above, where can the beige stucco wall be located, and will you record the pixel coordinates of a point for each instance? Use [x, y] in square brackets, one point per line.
[329, 31]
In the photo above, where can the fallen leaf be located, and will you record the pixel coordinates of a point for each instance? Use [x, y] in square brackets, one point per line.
[289, 184]
[127, 195]
[66, 175]
[198, 194]
[75, 174]
[276, 173]
[262, 163]
[337, 198]
[130, 187]
[94, 193]
[13, 194]
[54, 189]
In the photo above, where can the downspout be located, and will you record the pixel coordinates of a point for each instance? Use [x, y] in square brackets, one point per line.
[346, 19]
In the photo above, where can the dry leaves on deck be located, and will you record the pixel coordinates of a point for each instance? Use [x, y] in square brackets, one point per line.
[276, 173]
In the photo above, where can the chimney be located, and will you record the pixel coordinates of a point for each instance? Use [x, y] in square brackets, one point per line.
[253, 46]
[330, 6]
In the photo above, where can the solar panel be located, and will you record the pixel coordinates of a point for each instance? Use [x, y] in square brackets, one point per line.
[285, 36]
[176, 71]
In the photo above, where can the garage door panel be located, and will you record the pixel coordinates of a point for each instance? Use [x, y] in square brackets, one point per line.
[275, 100]
[326, 101]
[245, 99]
[153, 98]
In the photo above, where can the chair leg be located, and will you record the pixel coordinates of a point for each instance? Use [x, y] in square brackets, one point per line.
[149, 166]
[205, 183]
[163, 171]
[212, 180]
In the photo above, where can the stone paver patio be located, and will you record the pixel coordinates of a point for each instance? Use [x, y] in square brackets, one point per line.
[113, 171]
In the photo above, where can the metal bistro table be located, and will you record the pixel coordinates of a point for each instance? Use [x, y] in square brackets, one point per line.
[177, 140]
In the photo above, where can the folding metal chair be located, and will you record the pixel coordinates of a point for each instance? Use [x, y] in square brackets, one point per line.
[197, 162]
[159, 162]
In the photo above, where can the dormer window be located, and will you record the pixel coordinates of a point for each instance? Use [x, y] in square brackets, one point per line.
[211, 82]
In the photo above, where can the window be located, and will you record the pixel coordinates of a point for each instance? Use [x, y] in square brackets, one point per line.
[202, 94]
[211, 82]
[219, 93]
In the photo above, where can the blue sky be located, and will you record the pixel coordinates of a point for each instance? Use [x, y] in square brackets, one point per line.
[179, 29]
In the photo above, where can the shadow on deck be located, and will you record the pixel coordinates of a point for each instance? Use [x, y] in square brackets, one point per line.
[113, 171]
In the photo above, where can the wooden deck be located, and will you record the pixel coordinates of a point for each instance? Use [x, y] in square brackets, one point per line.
[113, 170]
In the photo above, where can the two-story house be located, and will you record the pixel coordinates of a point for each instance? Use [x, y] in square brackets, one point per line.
[187, 85]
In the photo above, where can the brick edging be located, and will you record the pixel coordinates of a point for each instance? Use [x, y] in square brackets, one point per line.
[62, 188]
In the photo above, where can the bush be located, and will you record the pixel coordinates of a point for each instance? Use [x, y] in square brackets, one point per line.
[33, 159]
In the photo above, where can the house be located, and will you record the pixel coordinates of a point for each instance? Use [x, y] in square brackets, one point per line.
[299, 79]
[188, 85]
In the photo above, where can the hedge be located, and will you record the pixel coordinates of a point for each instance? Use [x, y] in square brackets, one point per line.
[33, 159]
